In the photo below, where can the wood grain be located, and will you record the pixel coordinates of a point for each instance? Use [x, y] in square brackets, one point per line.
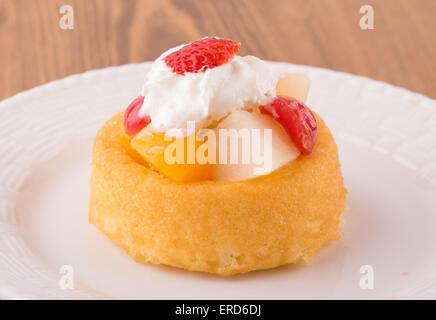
[325, 33]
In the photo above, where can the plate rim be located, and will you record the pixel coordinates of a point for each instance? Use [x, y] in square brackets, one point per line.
[70, 80]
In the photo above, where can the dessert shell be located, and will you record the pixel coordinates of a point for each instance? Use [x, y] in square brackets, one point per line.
[218, 227]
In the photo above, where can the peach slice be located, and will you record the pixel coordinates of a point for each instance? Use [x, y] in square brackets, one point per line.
[294, 85]
[152, 146]
[126, 140]
[282, 148]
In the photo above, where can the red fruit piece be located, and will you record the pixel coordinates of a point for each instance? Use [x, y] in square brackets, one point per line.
[133, 122]
[297, 120]
[200, 55]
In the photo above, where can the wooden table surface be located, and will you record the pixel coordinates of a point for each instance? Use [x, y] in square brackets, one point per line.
[400, 50]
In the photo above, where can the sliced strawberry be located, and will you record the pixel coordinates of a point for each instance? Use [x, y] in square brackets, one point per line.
[200, 55]
[297, 119]
[133, 122]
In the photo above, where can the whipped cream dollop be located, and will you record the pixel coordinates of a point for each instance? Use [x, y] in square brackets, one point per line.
[172, 99]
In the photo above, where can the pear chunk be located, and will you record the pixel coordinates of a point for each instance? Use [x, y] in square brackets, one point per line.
[294, 85]
[281, 151]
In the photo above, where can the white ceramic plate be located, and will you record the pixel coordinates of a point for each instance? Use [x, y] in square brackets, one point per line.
[387, 145]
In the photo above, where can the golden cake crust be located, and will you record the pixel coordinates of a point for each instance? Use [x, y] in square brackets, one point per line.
[216, 226]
